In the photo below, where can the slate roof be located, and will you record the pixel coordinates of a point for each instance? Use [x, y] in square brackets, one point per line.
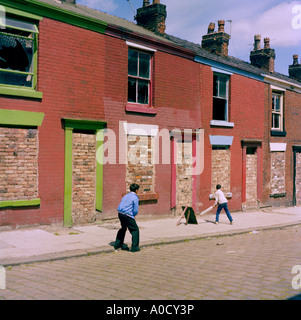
[230, 61]
[104, 17]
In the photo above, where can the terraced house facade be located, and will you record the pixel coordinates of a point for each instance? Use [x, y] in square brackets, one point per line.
[90, 103]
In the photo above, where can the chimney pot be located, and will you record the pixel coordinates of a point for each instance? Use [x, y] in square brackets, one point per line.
[267, 43]
[156, 1]
[146, 3]
[211, 27]
[296, 58]
[221, 26]
[257, 39]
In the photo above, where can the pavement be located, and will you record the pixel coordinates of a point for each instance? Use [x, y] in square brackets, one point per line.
[53, 242]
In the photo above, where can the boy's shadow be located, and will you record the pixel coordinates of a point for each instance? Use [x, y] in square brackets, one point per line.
[213, 222]
[209, 221]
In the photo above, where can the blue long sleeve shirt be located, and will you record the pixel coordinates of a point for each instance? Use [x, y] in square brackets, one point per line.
[129, 205]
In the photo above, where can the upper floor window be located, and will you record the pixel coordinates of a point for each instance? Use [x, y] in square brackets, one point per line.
[277, 111]
[139, 77]
[18, 46]
[220, 97]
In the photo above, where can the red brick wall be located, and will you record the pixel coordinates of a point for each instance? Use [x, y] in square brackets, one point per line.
[77, 82]
[292, 117]
[246, 110]
[176, 96]
[83, 74]
[71, 77]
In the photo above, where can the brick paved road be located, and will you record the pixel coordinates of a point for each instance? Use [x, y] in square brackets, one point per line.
[248, 266]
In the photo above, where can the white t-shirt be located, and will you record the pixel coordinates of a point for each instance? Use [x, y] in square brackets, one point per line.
[220, 197]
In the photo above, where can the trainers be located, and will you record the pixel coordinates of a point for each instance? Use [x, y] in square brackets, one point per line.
[216, 222]
[231, 222]
[135, 249]
[125, 247]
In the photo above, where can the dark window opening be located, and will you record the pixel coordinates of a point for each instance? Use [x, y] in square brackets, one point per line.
[251, 150]
[220, 147]
[138, 77]
[220, 97]
[17, 47]
[219, 109]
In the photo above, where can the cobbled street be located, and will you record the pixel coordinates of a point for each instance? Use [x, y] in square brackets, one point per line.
[246, 266]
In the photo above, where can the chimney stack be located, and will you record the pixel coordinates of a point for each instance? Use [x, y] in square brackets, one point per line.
[152, 16]
[294, 70]
[263, 58]
[216, 42]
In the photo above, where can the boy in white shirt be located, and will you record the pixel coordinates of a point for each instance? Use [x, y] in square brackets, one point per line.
[222, 203]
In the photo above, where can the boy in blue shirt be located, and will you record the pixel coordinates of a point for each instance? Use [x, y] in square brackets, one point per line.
[127, 210]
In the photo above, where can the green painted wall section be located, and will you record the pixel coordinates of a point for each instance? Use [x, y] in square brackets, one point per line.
[19, 203]
[99, 169]
[68, 178]
[21, 118]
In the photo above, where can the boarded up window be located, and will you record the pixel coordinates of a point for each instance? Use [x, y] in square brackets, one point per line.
[141, 164]
[18, 164]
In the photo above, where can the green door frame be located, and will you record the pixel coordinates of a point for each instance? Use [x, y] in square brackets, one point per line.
[89, 125]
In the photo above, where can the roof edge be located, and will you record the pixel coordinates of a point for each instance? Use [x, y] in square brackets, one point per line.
[56, 13]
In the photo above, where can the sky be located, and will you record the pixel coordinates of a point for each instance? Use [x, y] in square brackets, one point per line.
[189, 20]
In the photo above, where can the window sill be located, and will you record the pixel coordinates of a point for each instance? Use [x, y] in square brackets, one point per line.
[278, 195]
[21, 92]
[20, 203]
[219, 123]
[275, 133]
[148, 196]
[140, 109]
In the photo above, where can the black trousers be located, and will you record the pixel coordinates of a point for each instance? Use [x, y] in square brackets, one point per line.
[131, 225]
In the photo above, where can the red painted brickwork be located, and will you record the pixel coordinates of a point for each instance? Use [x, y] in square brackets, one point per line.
[176, 97]
[83, 75]
[71, 77]
[246, 111]
[292, 117]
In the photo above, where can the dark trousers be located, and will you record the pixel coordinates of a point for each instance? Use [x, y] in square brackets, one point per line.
[219, 209]
[127, 223]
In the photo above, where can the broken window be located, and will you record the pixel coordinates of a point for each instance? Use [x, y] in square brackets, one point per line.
[138, 77]
[17, 51]
[220, 97]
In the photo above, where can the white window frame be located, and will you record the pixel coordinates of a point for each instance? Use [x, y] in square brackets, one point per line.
[280, 94]
[225, 76]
